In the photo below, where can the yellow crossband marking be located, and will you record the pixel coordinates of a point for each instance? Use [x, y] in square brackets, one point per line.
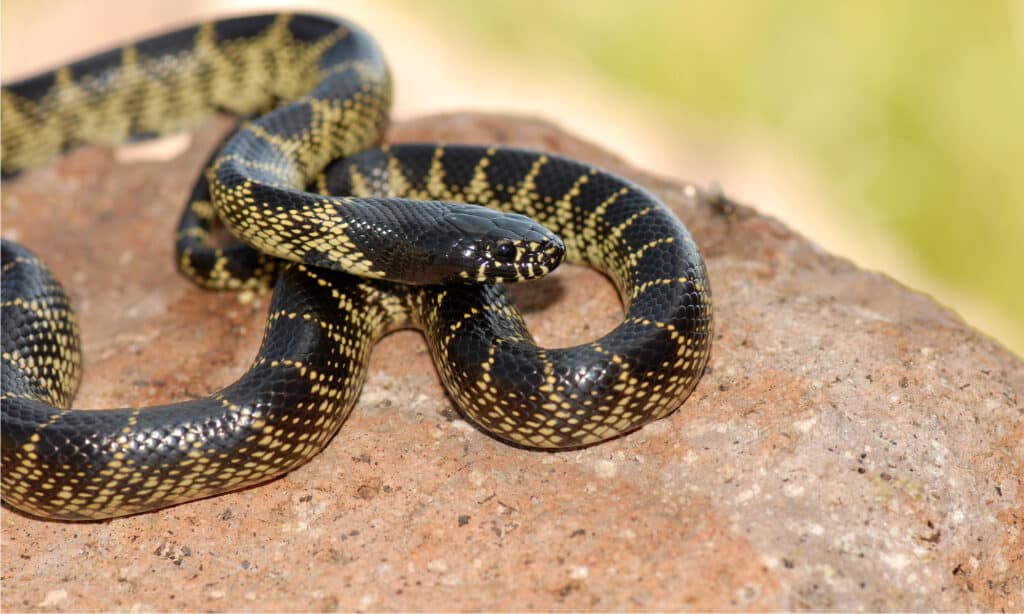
[616, 232]
[479, 189]
[360, 182]
[285, 147]
[398, 183]
[19, 260]
[588, 240]
[635, 257]
[598, 212]
[436, 187]
[526, 191]
[324, 136]
[203, 209]
[640, 289]
[565, 213]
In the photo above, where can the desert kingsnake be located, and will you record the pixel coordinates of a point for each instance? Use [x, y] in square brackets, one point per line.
[325, 89]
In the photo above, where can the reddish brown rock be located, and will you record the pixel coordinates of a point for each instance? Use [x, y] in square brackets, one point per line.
[853, 446]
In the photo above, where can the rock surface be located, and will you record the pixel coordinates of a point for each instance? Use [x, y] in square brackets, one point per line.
[853, 446]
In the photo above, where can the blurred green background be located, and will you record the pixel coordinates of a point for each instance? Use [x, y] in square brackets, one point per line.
[911, 113]
[889, 132]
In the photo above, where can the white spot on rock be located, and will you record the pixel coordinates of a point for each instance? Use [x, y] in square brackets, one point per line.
[53, 598]
[462, 425]
[896, 560]
[805, 426]
[793, 490]
[606, 469]
[748, 494]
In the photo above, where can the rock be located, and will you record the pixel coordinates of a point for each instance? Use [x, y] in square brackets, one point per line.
[854, 445]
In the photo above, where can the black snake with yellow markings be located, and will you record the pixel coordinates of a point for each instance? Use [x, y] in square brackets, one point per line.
[360, 240]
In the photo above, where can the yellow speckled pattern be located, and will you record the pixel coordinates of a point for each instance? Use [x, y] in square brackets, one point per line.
[500, 379]
[377, 219]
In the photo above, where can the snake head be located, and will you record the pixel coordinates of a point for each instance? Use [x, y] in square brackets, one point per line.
[493, 247]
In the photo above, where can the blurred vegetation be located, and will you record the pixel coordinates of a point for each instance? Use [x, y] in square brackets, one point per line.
[912, 111]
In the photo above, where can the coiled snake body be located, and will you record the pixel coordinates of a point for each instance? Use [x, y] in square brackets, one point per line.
[371, 218]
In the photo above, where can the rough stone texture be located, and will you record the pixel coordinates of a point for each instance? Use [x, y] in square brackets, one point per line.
[853, 445]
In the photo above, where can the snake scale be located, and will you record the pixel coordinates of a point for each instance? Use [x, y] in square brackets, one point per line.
[361, 239]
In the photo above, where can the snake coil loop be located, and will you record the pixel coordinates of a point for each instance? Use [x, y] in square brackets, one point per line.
[359, 239]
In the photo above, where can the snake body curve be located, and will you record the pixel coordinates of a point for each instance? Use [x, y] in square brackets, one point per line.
[304, 183]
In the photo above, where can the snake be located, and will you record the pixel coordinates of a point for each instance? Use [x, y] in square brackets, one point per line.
[357, 238]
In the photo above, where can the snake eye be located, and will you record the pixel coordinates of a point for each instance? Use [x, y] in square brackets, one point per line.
[504, 250]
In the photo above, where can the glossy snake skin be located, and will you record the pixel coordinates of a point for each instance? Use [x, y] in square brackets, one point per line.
[338, 222]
